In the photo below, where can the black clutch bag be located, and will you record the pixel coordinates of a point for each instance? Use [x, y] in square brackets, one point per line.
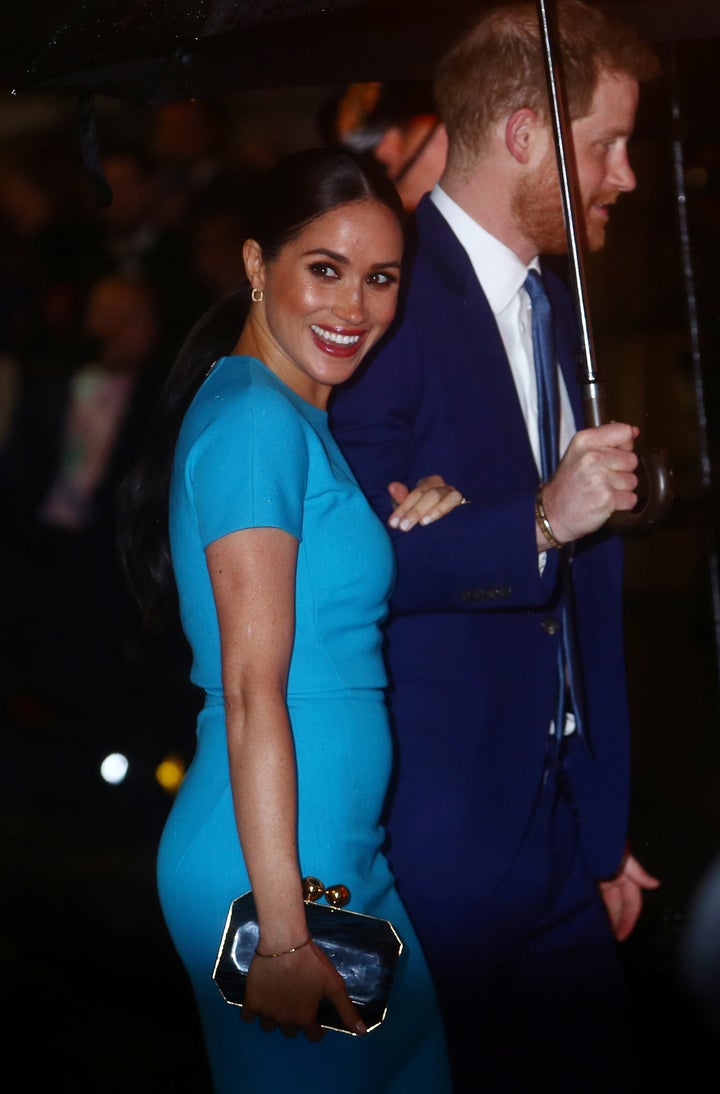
[365, 951]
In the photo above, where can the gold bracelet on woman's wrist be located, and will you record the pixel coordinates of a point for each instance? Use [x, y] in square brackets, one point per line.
[541, 518]
[283, 953]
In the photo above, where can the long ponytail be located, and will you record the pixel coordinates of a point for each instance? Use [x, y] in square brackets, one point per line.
[142, 506]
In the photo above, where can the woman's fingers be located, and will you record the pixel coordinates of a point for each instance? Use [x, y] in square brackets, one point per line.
[347, 1011]
[398, 491]
[314, 1031]
[285, 995]
[431, 499]
[448, 499]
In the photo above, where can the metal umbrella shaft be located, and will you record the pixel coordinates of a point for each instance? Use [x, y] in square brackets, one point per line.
[653, 462]
[572, 208]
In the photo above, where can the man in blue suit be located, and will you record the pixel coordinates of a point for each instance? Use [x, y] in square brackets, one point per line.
[507, 832]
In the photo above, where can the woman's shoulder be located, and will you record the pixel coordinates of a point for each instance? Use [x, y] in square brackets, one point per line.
[240, 386]
[240, 396]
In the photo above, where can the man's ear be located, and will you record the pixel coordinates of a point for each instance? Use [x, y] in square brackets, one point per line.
[521, 131]
[254, 264]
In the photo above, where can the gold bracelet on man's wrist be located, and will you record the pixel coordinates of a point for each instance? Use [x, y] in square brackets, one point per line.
[542, 521]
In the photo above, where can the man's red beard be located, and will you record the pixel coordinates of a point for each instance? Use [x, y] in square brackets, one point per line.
[538, 211]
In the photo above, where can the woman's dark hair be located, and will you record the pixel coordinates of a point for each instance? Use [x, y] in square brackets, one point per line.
[299, 189]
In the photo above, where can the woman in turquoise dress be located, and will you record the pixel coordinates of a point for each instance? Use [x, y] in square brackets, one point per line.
[283, 573]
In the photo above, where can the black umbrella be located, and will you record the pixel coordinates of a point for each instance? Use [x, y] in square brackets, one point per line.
[148, 52]
[153, 51]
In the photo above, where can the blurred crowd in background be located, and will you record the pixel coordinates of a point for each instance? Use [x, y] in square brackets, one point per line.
[94, 303]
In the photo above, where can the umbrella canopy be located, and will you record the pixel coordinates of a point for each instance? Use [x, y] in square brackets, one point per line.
[154, 51]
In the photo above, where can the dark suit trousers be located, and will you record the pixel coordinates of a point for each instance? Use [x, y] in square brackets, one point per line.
[529, 979]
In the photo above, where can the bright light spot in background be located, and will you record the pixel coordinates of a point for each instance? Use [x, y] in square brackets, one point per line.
[114, 768]
[170, 773]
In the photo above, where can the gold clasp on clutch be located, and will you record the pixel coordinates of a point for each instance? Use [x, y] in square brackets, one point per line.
[335, 895]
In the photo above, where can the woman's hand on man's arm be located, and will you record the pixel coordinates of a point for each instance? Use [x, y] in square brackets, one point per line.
[430, 499]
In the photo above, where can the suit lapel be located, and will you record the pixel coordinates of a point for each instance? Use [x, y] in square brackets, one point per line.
[481, 384]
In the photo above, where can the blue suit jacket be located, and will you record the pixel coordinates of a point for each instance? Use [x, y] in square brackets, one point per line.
[472, 637]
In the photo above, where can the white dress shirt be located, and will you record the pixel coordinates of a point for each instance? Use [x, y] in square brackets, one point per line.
[502, 275]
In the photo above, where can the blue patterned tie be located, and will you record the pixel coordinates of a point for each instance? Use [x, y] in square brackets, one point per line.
[548, 394]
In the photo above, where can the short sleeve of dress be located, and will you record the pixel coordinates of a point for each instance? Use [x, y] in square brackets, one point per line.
[248, 464]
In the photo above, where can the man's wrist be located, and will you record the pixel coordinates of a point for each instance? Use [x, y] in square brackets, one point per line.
[542, 521]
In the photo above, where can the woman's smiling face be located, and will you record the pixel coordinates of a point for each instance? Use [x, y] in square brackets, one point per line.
[328, 296]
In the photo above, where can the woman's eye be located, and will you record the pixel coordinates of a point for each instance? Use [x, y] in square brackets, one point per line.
[382, 279]
[323, 269]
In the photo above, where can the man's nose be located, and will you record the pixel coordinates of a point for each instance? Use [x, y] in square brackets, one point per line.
[622, 176]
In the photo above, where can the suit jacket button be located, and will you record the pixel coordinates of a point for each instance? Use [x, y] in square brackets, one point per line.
[550, 625]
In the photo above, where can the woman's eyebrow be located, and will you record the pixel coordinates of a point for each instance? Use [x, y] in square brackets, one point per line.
[341, 259]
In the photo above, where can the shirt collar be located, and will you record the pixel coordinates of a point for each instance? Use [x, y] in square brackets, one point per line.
[498, 269]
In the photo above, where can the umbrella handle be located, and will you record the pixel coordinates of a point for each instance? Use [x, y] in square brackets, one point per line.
[655, 474]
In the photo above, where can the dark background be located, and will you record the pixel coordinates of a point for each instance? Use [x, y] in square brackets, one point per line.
[24, 30]
[97, 998]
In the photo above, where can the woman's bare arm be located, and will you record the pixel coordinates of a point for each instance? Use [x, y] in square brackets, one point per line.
[253, 579]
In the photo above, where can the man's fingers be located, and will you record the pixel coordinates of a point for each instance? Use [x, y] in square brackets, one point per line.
[639, 874]
[618, 435]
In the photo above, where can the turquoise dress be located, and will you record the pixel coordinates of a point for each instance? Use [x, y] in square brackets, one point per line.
[251, 453]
